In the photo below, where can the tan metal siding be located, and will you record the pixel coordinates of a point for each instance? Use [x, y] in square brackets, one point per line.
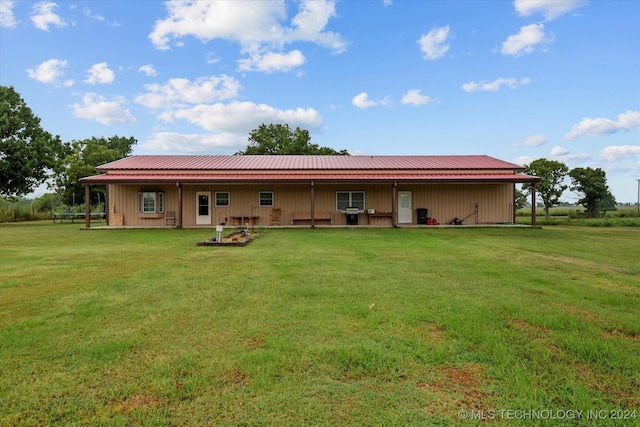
[124, 199]
[444, 202]
[244, 202]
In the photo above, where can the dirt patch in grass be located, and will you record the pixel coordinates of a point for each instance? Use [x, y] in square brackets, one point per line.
[255, 342]
[528, 329]
[618, 392]
[435, 332]
[571, 309]
[137, 402]
[235, 379]
[615, 333]
[459, 388]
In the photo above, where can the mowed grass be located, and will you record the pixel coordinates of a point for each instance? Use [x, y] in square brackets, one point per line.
[317, 327]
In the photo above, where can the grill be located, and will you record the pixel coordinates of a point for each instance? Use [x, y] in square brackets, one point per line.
[352, 215]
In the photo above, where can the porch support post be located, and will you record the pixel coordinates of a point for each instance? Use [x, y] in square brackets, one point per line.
[533, 204]
[313, 205]
[179, 220]
[87, 206]
[513, 213]
[107, 219]
[394, 204]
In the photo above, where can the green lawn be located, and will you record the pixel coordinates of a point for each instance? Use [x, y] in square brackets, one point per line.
[319, 327]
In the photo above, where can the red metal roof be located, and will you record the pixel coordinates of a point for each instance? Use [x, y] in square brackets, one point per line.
[301, 163]
[284, 177]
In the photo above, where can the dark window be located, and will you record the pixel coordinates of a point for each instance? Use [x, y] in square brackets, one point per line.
[347, 199]
[223, 199]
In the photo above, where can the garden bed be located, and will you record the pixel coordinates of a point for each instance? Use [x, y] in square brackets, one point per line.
[238, 238]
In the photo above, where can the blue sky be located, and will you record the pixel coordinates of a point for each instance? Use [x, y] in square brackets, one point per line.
[517, 80]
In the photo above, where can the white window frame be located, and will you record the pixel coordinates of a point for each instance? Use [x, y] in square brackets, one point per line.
[350, 203]
[228, 199]
[269, 200]
[150, 202]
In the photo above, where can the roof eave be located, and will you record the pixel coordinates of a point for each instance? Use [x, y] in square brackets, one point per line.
[187, 179]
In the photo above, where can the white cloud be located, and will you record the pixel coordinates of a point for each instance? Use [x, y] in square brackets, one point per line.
[242, 117]
[617, 152]
[259, 29]
[7, 19]
[414, 97]
[220, 19]
[558, 151]
[495, 85]
[272, 61]
[524, 160]
[551, 9]
[564, 155]
[362, 101]
[434, 44]
[43, 16]
[48, 71]
[179, 92]
[100, 73]
[526, 40]
[533, 141]
[313, 16]
[601, 126]
[195, 143]
[212, 58]
[95, 107]
[98, 17]
[148, 70]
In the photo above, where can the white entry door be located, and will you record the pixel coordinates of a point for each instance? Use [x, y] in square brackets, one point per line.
[203, 208]
[405, 212]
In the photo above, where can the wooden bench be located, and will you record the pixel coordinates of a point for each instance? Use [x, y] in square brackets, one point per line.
[240, 220]
[297, 216]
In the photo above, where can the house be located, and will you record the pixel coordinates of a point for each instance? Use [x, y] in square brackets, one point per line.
[206, 190]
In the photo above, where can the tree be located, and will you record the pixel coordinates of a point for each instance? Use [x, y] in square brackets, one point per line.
[592, 185]
[81, 161]
[279, 139]
[550, 187]
[27, 152]
[521, 199]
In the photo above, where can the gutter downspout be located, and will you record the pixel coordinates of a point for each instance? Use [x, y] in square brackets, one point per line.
[513, 216]
[107, 198]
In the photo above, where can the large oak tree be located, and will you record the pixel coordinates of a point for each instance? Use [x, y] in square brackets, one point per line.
[592, 185]
[28, 153]
[550, 187]
[279, 139]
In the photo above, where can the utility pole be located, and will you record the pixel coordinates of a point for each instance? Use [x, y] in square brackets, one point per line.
[638, 196]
